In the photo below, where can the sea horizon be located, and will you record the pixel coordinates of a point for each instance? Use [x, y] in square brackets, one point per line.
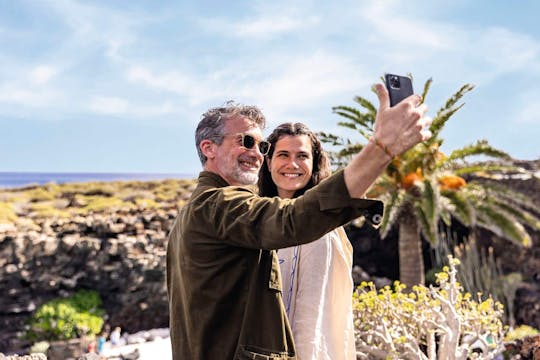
[17, 179]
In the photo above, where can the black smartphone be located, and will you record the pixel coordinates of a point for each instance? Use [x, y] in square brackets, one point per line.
[399, 87]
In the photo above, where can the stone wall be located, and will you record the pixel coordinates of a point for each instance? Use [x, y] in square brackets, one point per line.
[120, 255]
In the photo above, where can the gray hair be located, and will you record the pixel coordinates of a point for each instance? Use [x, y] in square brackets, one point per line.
[211, 126]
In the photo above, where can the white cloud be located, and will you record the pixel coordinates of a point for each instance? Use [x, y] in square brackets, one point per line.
[388, 24]
[530, 114]
[506, 51]
[529, 110]
[115, 106]
[109, 105]
[191, 88]
[269, 26]
[469, 51]
[96, 27]
[42, 74]
[170, 81]
[306, 79]
[30, 97]
[265, 20]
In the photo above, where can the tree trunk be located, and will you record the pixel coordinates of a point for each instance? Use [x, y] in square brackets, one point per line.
[411, 262]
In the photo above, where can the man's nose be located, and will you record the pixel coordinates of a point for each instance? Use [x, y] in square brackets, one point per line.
[257, 151]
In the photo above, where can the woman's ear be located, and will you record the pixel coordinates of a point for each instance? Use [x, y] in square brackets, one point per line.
[208, 148]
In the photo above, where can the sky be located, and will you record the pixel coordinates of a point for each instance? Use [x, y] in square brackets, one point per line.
[119, 86]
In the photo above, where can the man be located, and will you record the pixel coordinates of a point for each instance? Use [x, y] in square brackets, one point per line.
[223, 277]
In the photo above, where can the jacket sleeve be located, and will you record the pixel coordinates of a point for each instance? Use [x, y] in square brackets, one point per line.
[239, 217]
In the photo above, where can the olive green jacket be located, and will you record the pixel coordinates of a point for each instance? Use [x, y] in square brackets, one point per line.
[223, 276]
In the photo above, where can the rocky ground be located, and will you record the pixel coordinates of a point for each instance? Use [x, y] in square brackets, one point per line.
[108, 237]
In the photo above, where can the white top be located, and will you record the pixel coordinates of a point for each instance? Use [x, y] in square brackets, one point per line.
[317, 293]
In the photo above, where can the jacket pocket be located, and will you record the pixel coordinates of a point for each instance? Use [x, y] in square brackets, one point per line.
[274, 281]
[254, 353]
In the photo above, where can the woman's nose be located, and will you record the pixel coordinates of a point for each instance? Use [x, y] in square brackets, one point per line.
[292, 163]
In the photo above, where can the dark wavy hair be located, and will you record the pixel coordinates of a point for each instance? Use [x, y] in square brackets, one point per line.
[321, 164]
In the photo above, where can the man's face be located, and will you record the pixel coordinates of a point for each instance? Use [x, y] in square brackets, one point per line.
[235, 163]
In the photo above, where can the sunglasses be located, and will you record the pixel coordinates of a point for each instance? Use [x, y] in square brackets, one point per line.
[249, 141]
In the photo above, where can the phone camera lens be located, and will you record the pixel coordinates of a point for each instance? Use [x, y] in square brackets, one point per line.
[394, 82]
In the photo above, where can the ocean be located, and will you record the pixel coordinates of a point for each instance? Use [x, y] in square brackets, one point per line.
[20, 179]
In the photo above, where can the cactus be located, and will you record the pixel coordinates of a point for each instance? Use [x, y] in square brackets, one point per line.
[436, 322]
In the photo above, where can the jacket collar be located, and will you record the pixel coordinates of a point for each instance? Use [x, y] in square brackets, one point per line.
[208, 178]
[211, 179]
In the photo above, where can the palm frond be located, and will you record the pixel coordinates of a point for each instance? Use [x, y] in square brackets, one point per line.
[347, 124]
[480, 168]
[481, 147]
[507, 195]
[427, 85]
[445, 211]
[332, 139]
[462, 207]
[355, 115]
[439, 121]
[366, 134]
[392, 207]
[366, 104]
[523, 216]
[428, 205]
[350, 149]
[503, 224]
[446, 111]
[426, 226]
[452, 101]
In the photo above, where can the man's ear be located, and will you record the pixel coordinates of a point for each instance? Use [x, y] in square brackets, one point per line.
[208, 148]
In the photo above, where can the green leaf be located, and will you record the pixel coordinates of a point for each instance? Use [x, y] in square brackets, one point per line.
[503, 224]
[481, 147]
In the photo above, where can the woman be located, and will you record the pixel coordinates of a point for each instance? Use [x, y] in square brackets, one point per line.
[317, 281]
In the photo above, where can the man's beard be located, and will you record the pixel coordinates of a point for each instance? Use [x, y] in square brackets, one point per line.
[245, 178]
[235, 175]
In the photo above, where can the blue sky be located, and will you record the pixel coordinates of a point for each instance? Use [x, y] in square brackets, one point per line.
[119, 86]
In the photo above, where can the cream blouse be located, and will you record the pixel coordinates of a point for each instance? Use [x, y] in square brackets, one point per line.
[317, 293]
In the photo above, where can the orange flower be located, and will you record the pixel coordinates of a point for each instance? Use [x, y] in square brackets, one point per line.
[408, 181]
[451, 182]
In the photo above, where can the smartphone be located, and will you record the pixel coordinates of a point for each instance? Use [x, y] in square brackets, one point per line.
[399, 87]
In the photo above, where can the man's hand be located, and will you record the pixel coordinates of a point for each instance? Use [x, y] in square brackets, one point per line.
[402, 126]
[397, 129]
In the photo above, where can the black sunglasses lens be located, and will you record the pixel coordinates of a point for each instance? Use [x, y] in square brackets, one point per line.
[264, 146]
[248, 141]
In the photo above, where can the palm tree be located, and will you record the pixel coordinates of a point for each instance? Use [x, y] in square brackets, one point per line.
[424, 188]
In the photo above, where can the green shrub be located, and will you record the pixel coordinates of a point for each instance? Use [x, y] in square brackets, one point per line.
[147, 204]
[40, 347]
[428, 323]
[67, 318]
[46, 210]
[521, 332]
[7, 214]
[98, 204]
[482, 273]
[40, 194]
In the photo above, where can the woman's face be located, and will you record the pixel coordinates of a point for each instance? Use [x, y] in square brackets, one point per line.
[291, 164]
